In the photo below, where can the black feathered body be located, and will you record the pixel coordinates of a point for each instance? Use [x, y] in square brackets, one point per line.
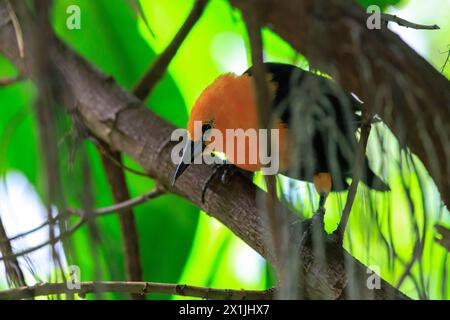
[322, 119]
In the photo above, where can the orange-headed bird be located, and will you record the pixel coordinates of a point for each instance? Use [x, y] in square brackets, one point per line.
[317, 122]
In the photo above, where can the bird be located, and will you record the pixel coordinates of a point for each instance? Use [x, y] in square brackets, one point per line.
[316, 118]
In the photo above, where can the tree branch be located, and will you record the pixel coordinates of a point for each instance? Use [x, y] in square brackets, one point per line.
[106, 153]
[444, 236]
[136, 288]
[8, 81]
[119, 207]
[408, 24]
[14, 273]
[159, 67]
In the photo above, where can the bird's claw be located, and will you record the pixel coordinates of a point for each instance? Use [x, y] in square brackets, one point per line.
[225, 170]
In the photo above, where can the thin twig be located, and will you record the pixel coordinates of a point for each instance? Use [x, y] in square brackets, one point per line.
[130, 237]
[119, 164]
[230, 205]
[137, 7]
[159, 67]
[46, 289]
[17, 29]
[84, 217]
[444, 236]
[97, 212]
[357, 173]
[405, 23]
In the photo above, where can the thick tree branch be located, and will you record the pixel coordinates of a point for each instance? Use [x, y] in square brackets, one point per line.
[119, 119]
[334, 37]
[135, 288]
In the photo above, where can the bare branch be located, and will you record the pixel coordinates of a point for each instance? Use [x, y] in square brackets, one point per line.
[137, 8]
[54, 239]
[125, 205]
[159, 67]
[357, 173]
[405, 23]
[422, 87]
[446, 60]
[444, 236]
[119, 164]
[140, 288]
[122, 206]
[8, 81]
[17, 29]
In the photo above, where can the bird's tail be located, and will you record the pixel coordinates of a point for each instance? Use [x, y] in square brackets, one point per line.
[372, 180]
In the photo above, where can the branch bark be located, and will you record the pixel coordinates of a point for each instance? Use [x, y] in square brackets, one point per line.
[119, 118]
[411, 97]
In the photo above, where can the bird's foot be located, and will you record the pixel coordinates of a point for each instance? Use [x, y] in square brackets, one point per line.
[224, 170]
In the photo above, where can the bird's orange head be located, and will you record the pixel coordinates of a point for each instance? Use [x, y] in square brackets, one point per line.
[228, 103]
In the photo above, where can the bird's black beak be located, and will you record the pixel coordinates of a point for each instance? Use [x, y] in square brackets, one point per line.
[190, 152]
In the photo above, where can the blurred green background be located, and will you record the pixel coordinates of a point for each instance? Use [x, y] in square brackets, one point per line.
[178, 243]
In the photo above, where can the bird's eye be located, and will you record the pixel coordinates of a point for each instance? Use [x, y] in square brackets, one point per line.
[206, 127]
